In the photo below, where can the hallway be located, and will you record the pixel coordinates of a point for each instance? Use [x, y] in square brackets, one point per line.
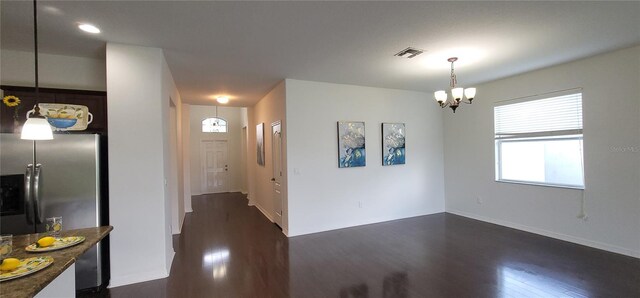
[228, 249]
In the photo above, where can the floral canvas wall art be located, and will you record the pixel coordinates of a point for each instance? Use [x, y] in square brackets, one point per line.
[393, 147]
[351, 145]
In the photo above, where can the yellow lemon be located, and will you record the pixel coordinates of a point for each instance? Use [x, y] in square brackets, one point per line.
[57, 227]
[9, 264]
[45, 241]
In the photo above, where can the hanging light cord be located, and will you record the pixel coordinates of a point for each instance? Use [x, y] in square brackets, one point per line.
[35, 42]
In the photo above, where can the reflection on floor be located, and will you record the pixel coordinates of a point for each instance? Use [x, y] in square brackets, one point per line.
[228, 249]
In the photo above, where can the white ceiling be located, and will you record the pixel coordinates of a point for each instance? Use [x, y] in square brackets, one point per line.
[243, 49]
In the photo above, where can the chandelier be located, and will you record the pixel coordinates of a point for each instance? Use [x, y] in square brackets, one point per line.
[457, 93]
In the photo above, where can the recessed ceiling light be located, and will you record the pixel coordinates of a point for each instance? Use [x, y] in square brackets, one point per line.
[222, 99]
[89, 28]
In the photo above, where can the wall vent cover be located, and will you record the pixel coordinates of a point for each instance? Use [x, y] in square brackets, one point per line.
[409, 53]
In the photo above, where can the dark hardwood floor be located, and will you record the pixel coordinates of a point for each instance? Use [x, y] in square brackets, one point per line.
[228, 249]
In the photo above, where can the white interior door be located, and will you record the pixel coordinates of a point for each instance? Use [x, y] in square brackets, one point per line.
[215, 166]
[277, 171]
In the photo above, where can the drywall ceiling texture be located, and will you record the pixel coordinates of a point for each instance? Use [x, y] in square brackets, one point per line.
[324, 197]
[269, 109]
[232, 137]
[138, 210]
[55, 71]
[611, 119]
[244, 48]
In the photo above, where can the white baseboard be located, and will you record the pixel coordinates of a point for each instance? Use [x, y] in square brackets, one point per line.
[118, 281]
[182, 222]
[285, 232]
[331, 227]
[266, 214]
[560, 236]
[173, 254]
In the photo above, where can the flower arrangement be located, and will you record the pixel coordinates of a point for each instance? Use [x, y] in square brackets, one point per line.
[12, 102]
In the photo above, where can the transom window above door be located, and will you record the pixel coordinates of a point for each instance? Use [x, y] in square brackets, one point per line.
[214, 125]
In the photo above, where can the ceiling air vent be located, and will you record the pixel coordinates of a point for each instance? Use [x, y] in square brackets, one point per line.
[409, 53]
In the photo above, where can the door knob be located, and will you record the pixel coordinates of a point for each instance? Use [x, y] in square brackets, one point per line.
[273, 179]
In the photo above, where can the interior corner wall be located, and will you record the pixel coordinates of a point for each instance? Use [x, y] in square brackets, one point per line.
[137, 160]
[55, 71]
[611, 121]
[244, 124]
[174, 171]
[198, 113]
[186, 155]
[322, 196]
[268, 110]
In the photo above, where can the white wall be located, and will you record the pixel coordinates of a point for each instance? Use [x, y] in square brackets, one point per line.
[137, 110]
[55, 71]
[186, 156]
[269, 109]
[323, 197]
[611, 113]
[174, 170]
[244, 145]
[233, 137]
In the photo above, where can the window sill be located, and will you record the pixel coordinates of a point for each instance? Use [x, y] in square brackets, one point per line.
[540, 184]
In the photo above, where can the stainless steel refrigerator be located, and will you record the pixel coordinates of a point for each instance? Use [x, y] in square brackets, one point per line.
[59, 177]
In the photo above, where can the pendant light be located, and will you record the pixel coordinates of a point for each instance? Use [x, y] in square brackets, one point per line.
[36, 127]
[457, 93]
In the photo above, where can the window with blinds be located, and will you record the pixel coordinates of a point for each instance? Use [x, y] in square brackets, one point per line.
[540, 141]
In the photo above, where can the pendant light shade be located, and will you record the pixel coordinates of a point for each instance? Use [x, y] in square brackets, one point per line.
[457, 93]
[36, 127]
[441, 96]
[470, 93]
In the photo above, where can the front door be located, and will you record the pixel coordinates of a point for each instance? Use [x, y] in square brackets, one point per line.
[277, 171]
[215, 167]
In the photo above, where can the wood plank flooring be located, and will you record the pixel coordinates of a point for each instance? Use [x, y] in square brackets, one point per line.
[228, 249]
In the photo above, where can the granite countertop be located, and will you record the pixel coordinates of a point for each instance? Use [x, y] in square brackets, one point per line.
[30, 285]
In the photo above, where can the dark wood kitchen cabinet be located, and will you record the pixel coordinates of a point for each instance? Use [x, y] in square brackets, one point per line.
[96, 102]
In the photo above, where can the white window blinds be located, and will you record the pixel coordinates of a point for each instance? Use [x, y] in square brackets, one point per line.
[560, 115]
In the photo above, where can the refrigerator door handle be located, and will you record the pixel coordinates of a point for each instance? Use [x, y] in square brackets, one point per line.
[36, 194]
[28, 203]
